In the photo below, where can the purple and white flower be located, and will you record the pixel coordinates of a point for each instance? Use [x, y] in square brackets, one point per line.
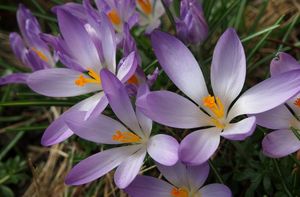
[133, 132]
[212, 115]
[282, 141]
[184, 181]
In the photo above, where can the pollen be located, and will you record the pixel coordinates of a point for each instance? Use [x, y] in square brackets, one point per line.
[179, 192]
[215, 105]
[40, 54]
[82, 80]
[114, 17]
[133, 80]
[145, 6]
[297, 102]
[126, 137]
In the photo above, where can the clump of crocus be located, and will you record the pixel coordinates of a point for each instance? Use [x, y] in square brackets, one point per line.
[184, 181]
[284, 120]
[191, 26]
[28, 48]
[211, 115]
[85, 49]
[133, 134]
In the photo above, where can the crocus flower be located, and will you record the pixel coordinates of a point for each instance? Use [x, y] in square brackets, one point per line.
[120, 12]
[31, 50]
[151, 11]
[228, 73]
[134, 137]
[282, 141]
[184, 181]
[191, 26]
[84, 55]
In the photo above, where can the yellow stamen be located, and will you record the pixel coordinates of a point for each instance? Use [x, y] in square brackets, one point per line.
[114, 17]
[133, 80]
[94, 78]
[297, 102]
[215, 105]
[180, 192]
[126, 137]
[145, 6]
[40, 54]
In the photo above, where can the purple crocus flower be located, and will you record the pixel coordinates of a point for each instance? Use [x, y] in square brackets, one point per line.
[184, 181]
[31, 50]
[151, 11]
[282, 141]
[191, 26]
[228, 73]
[135, 138]
[85, 49]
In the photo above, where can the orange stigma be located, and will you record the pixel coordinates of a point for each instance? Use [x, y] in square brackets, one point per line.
[297, 102]
[114, 17]
[133, 80]
[40, 54]
[94, 78]
[180, 192]
[145, 6]
[126, 137]
[215, 105]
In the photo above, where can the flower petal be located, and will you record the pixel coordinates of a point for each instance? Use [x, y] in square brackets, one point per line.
[129, 169]
[172, 110]
[127, 67]
[59, 82]
[163, 149]
[277, 118]
[283, 63]
[99, 164]
[216, 189]
[199, 146]
[98, 129]
[180, 65]
[280, 143]
[147, 186]
[14, 78]
[228, 69]
[240, 130]
[267, 95]
[119, 101]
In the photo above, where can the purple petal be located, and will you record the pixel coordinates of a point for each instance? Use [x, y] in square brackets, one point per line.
[213, 190]
[127, 67]
[14, 78]
[172, 110]
[277, 118]
[98, 129]
[197, 175]
[184, 71]
[240, 130]
[120, 101]
[163, 149]
[199, 146]
[147, 186]
[129, 169]
[77, 39]
[267, 95]
[283, 63]
[59, 82]
[18, 47]
[280, 143]
[99, 164]
[228, 69]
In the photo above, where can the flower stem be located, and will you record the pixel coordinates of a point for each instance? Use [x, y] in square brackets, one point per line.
[214, 169]
[286, 189]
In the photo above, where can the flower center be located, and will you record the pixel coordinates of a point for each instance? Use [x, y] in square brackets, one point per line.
[145, 6]
[126, 137]
[297, 102]
[133, 80]
[179, 192]
[114, 17]
[215, 105]
[94, 78]
[40, 54]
